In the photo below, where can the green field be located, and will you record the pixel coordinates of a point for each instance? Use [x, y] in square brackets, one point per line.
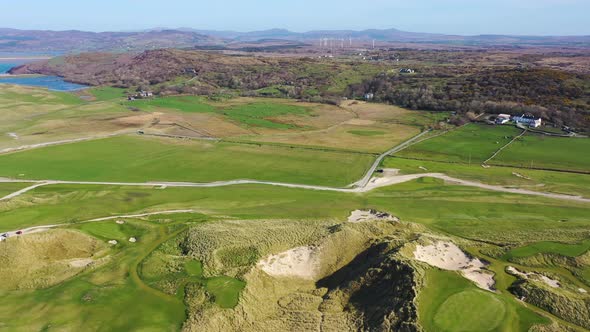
[564, 249]
[141, 159]
[108, 93]
[189, 104]
[257, 114]
[472, 143]
[547, 152]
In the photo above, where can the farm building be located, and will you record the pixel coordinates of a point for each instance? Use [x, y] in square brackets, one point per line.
[528, 120]
[407, 71]
[502, 119]
[140, 95]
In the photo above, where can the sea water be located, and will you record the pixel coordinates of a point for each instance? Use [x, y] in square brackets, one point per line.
[52, 83]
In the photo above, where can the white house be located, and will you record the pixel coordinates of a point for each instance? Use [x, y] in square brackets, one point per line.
[369, 96]
[528, 120]
[406, 71]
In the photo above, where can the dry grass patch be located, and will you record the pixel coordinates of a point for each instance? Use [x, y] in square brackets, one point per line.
[44, 259]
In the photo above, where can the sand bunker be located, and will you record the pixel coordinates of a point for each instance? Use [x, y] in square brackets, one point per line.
[120, 222]
[448, 256]
[113, 242]
[534, 276]
[370, 215]
[300, 262]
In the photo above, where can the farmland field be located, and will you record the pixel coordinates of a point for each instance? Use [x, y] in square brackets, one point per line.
[547, 152]
[469, 144]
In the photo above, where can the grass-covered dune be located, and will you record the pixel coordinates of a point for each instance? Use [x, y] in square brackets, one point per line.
[141, 159]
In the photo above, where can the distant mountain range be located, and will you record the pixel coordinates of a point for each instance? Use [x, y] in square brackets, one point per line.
[12, 40]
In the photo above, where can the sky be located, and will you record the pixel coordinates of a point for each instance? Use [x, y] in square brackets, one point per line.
[464, 17]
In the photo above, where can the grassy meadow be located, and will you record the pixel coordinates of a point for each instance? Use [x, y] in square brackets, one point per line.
[560, 153]
[256, 114]
[471, 143]
[140, 159]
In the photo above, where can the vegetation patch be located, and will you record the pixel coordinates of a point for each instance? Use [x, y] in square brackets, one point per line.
[264, 114]
[367, 132]
[225, 290]
[564, 249]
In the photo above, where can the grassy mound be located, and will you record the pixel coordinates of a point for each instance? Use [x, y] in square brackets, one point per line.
[45, 259]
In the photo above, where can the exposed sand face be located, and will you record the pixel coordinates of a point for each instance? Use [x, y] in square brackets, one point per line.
[535, 276]
[360, 122]
[300, 262]
[369, 215]
[447, 256]
[81, 262]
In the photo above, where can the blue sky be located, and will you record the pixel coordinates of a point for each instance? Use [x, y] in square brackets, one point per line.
[537, 17]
